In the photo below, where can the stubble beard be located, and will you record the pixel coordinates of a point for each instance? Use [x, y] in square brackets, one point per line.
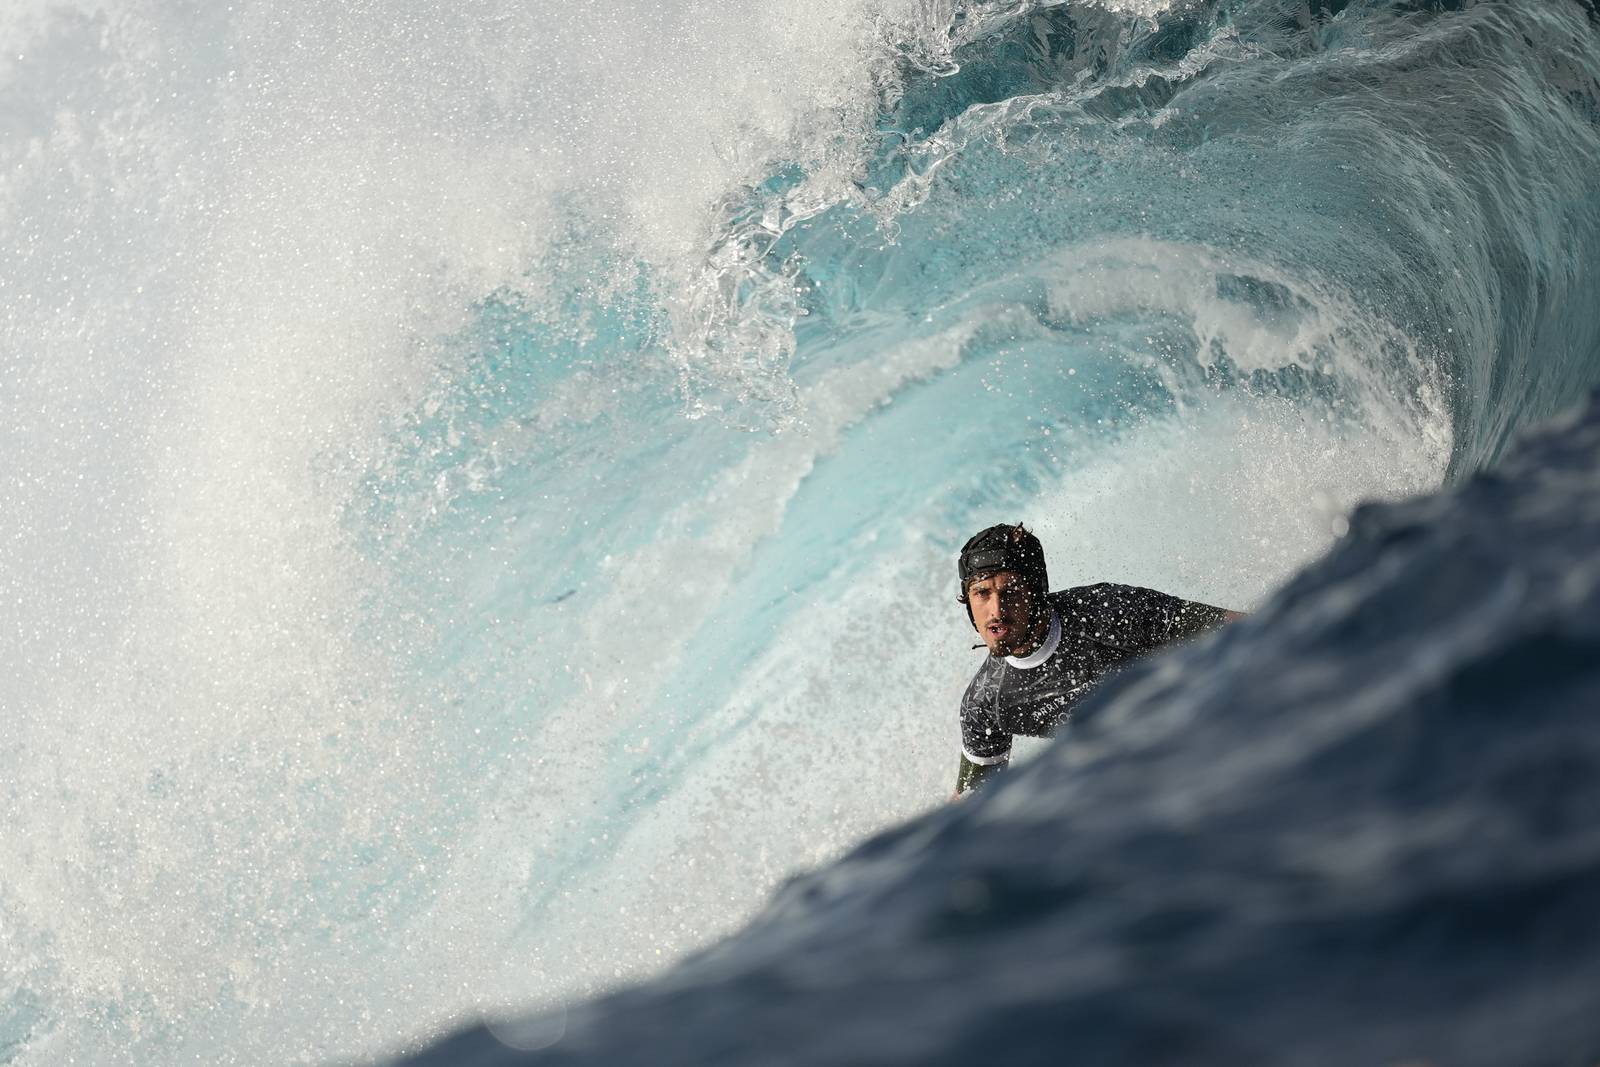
[1023, 644]
[1031, 639]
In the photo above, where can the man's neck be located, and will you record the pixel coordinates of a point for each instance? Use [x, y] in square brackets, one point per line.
[1036, 636]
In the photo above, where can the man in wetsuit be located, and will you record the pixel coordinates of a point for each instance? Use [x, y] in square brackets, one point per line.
[1046, 650]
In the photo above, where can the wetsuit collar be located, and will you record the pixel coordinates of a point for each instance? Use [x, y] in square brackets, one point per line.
[1044, 651]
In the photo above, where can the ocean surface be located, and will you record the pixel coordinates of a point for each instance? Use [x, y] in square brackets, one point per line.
[481, 483]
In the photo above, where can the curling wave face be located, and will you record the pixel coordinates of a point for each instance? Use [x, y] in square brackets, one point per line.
[486, 480]
[1350, 829]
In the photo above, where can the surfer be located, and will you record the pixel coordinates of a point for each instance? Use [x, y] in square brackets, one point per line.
[1046, 650]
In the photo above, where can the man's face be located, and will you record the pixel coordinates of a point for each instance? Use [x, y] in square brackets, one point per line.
[1004, 612]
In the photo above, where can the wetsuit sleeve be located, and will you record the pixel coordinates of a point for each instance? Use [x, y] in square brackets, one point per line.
[983, 742]
[1137, 620]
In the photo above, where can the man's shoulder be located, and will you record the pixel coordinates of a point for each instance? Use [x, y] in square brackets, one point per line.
[1096, 591]
[1087, 598]
[1102, 608]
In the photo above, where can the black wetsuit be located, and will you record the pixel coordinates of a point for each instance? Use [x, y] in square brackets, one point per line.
[1093, 629]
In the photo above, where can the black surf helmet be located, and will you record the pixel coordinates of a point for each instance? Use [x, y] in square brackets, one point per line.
[1003, 548]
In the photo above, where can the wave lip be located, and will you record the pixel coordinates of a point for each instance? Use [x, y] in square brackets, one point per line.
[1353, 829]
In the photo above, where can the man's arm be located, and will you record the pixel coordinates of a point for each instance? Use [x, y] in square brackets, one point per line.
[971, 775]
[1189, 618]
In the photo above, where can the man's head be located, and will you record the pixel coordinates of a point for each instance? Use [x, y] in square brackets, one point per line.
[1003, 585]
